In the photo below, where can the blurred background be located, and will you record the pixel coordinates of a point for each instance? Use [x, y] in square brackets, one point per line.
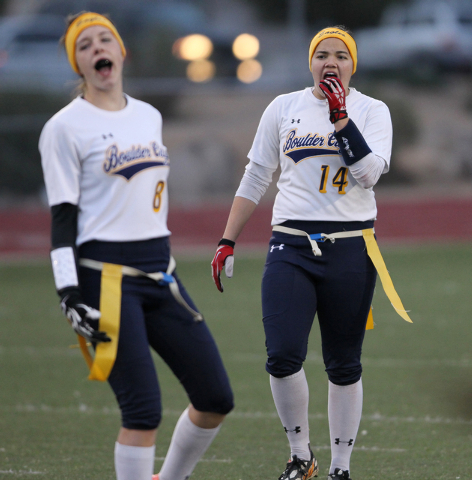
[212, 66]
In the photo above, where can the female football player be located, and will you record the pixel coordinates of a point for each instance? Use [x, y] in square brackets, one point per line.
[332, 144]
[105, 169]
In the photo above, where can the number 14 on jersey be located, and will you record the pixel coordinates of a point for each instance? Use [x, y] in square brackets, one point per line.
[339, 180]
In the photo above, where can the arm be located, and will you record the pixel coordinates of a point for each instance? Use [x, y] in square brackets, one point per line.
[64, 265]
[264, 159]
[364, 165]
[253, 185]
[240, 213]
[61, 169]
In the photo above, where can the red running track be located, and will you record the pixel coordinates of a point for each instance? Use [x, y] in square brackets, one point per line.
[26, 232]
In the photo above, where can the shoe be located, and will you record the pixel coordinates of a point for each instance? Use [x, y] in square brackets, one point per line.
[298, 469]
[339, 475]
[155, 477]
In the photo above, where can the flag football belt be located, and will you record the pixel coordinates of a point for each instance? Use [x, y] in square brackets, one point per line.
[110, 309]
[372, 250]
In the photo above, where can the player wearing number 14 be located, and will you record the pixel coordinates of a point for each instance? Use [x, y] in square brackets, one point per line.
[331, 143]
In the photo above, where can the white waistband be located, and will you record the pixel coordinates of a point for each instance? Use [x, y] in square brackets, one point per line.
[314, 238]
[166, 277]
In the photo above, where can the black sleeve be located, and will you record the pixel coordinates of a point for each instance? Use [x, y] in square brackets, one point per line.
[352, 144]
[64, 234]
[64, 225]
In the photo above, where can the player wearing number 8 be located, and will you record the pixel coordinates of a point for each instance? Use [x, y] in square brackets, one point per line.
[331, 143]
[105, 169]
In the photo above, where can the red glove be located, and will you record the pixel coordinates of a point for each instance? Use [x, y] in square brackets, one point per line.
[334, 91]
[224, 257]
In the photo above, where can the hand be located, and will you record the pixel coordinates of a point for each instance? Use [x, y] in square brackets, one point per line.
[224, 257]
[336, 96]
[79, 315]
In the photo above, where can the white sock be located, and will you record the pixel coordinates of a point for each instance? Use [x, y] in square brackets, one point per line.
[291, 401]
[187, 446]
[344, 414]
[134, 463]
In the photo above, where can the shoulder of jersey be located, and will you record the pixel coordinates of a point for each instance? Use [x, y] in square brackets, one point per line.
[145, 106]
[282, 101]
[64, 114]
[361, 97]
[289, 96]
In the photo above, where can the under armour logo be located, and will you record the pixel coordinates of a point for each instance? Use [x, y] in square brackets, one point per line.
[280, 247]
[104, 136]
[296, 430]
[338, 441]
[347, 148]
[295, 121]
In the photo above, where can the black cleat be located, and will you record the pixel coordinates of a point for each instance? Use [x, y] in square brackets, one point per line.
[298, 469]
[339, 475]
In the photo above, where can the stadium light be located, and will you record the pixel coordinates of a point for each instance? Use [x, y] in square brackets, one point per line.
[193, 47]
[201, 70]
[245, 46]
[249, 71]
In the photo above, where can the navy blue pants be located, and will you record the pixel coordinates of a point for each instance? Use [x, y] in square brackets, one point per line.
[151, 316]
[337, 286]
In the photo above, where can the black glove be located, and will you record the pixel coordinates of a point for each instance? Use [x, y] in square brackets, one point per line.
[79, 316]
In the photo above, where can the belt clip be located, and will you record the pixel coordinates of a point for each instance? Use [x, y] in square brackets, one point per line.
[166, 279]
[318, 237]
[322, 237]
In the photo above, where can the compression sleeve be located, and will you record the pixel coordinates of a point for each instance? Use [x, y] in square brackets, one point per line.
[64, 224]
[255, 181]
[63, 252]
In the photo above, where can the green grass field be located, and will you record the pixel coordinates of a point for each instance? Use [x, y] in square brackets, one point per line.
[417, 423]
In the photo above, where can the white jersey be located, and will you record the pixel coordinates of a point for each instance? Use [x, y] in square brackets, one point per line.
[315, 184]
[113, 165]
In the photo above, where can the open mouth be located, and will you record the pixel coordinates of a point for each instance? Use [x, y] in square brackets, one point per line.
[103, 64]
[330, 74]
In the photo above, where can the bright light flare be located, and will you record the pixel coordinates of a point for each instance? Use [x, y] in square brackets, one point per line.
[249, 71]
[193, 47]
[201, 71]
[245, 46]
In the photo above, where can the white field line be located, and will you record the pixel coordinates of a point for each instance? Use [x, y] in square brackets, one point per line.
[312, 357]
[20, 472]
[362, 449]
[212, 459]
[316, 448]
[373, 417]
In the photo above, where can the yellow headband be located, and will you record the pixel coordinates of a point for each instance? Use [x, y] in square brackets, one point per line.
[332, 32]
[82, 22]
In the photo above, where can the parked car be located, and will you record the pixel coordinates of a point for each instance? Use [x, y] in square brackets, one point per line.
[422, 38]
[30, 56]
